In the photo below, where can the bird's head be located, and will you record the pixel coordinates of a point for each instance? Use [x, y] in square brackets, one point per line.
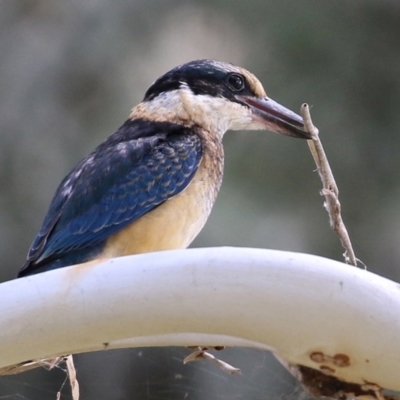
[217, 96]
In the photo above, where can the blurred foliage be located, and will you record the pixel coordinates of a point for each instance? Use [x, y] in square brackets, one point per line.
[71, 71]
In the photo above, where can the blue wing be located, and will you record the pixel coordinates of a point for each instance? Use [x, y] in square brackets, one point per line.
[138, 168]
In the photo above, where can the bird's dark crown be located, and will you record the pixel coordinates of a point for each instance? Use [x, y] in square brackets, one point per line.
[207, 77]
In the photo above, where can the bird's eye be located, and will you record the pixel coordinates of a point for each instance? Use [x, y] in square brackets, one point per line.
[236, 82]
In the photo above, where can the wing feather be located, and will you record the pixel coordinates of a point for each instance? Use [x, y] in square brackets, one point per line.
[138, 168]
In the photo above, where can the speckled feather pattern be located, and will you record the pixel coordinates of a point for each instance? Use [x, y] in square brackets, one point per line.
[176, 222]
[123, 179]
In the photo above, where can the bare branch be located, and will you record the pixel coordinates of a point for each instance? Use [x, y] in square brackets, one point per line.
[69, 361]
[49, 364]
[329, 187]
[201, 353]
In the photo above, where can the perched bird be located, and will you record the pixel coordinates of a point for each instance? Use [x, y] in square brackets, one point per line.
[151, 185]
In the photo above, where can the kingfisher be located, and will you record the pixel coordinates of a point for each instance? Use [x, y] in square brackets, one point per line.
[151, 185]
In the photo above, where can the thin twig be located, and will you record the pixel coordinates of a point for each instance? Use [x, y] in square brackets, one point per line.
[69, 361]
[202, 354]
[329, 187]
[71, 377]
[49, 364]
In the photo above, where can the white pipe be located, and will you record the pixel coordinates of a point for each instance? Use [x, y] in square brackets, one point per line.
[306, 308]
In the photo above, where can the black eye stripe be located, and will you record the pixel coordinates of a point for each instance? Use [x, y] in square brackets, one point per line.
[202, 78]
[236, 82]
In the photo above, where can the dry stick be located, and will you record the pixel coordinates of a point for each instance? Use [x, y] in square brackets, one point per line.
[49, 364]
[69, 361]
[71, 376]
[202, 354]
[329, 187]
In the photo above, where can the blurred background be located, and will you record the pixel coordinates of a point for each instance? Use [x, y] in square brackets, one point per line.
[71, 71]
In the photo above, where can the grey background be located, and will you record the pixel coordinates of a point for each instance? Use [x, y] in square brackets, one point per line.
[70, 73]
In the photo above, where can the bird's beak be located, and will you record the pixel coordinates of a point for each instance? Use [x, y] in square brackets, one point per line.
[275, 117]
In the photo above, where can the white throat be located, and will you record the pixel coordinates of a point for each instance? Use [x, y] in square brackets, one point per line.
[215, 114]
